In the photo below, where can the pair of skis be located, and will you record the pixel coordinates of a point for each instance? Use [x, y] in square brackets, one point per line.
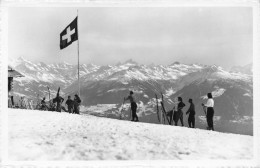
[163, 111]
[205, 111]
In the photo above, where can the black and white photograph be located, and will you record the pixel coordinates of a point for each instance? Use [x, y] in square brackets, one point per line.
[139, 82]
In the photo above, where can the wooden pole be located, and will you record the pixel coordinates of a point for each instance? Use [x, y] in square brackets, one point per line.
[78, 55]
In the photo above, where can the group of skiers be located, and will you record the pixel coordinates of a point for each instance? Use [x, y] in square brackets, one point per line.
[177, 113]
[73, 105]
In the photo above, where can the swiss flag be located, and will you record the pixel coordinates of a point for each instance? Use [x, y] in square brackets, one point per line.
[69, 34]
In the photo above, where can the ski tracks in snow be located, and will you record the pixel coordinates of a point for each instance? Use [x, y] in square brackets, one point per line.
[38, 135]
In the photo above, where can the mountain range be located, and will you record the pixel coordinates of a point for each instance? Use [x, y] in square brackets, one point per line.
[105, 87]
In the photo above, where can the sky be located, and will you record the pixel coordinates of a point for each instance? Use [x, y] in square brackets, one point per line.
[107, 35]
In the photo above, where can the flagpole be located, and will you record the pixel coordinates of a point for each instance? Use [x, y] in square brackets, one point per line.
[78, 55]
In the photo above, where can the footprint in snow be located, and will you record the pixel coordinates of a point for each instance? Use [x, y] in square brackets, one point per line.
[118, 157]
[72, 145]
[49, 143]
[183, 153]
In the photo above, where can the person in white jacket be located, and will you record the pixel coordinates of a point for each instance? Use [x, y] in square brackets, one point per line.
[210, 111]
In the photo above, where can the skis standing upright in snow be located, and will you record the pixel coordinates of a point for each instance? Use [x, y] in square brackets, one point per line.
[162, 109]
[38, 102]
[122, 106]
[164, 112]
[205, 110]
[49, 93]
[157, 106]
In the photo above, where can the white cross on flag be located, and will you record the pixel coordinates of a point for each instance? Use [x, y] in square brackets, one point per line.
[69, 34]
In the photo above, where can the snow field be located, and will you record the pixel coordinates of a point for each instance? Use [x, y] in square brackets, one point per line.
[40, 135]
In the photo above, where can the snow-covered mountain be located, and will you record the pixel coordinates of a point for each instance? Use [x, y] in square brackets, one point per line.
[65, 75]
[40, 75]
[101, 85]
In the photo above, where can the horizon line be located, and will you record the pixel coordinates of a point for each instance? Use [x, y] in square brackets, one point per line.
[127, 61]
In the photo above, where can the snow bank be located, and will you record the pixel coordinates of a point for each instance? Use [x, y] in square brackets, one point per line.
[39, 135]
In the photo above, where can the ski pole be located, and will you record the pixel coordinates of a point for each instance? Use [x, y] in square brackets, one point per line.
[157, 108]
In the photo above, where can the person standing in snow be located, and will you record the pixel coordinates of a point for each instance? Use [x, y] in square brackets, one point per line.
[70, 104]
[77, 102]
[58, 99]
[179, 114]
[191, 112]
[209, 111]
[133, 106]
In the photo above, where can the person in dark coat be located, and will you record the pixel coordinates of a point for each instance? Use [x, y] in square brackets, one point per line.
[191, 112]
[58, 99]
[133, 106]
[210, 111]
[77, 102]
[179, 114]
[70, 104]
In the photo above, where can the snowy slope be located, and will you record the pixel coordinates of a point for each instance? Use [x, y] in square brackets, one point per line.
[38, 135]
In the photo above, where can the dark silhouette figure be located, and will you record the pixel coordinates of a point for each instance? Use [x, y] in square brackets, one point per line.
[210, 111]
[179, 114]
[133, 106]
[77, 102]
[58, 99]
[70, 104]
[12, 101]
[191, 112]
